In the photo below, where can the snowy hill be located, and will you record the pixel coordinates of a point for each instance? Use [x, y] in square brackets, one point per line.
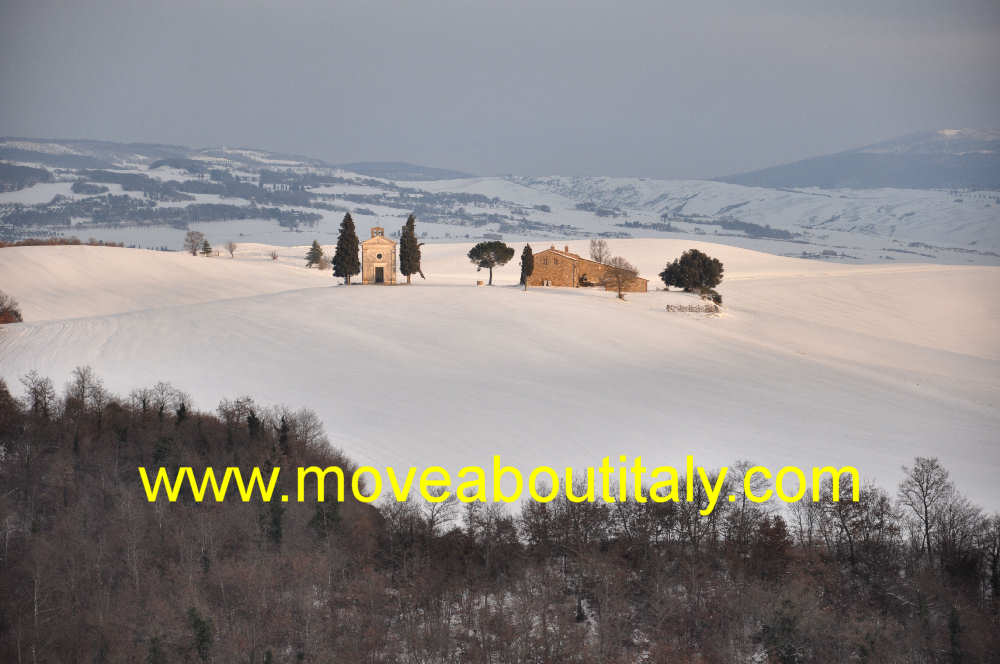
[398, 170]
[870, 225]
[74, 153]
[811, 363]
[149, 195]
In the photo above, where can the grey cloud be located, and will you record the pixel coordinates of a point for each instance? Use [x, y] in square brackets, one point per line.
[643, 88]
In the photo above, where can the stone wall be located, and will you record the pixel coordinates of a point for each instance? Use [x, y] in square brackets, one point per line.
[558, 270]
[710, 308]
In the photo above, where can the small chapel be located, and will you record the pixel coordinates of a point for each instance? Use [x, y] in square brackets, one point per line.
[378, 259]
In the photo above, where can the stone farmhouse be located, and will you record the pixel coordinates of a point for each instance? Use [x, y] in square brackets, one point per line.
[562, 268]
[378, 259]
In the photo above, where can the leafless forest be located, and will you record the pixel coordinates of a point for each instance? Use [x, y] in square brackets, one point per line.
[92, 572]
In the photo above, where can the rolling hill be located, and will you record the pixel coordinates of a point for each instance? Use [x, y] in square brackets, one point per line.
[811, 363]
[148, 195]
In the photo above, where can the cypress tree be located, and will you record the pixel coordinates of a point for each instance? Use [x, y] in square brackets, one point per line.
[325, 519]
[206, 248]
[283, 436]
[253, 424]
[202, 629]
[345, 258]
[527, 265]
[314, 254]
[409, 250]
[155, 655]
[270, 521]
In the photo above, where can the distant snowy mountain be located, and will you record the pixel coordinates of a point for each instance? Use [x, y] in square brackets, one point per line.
[74, 153]
[949, 158]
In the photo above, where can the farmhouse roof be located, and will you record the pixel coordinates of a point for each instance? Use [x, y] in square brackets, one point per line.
[567, 254]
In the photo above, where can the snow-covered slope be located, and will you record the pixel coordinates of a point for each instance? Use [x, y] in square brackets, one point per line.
[811, 364]
[77, 282]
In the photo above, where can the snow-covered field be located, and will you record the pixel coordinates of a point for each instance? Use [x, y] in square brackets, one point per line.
[811, 364]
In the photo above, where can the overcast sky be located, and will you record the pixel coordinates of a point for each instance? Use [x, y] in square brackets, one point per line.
[659, 88]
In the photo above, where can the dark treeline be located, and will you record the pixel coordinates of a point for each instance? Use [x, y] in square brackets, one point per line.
[220, 182]
[599, 211]
[110, 209]
[751, 229]
[728, 223]
[88, 188]
[59, 241]
[92, 572]
[14, 177]
[57, 160]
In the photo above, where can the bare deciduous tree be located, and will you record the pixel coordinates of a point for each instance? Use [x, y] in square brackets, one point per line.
[599, 250]
[231, 248]
[744, 517]
[274, 255]
[82, 384]
[193, 241]
[958, 524]
[40, 394]
[9, 309]
[308, 428]
[925, 490]
[617, 274]
[439, 514]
